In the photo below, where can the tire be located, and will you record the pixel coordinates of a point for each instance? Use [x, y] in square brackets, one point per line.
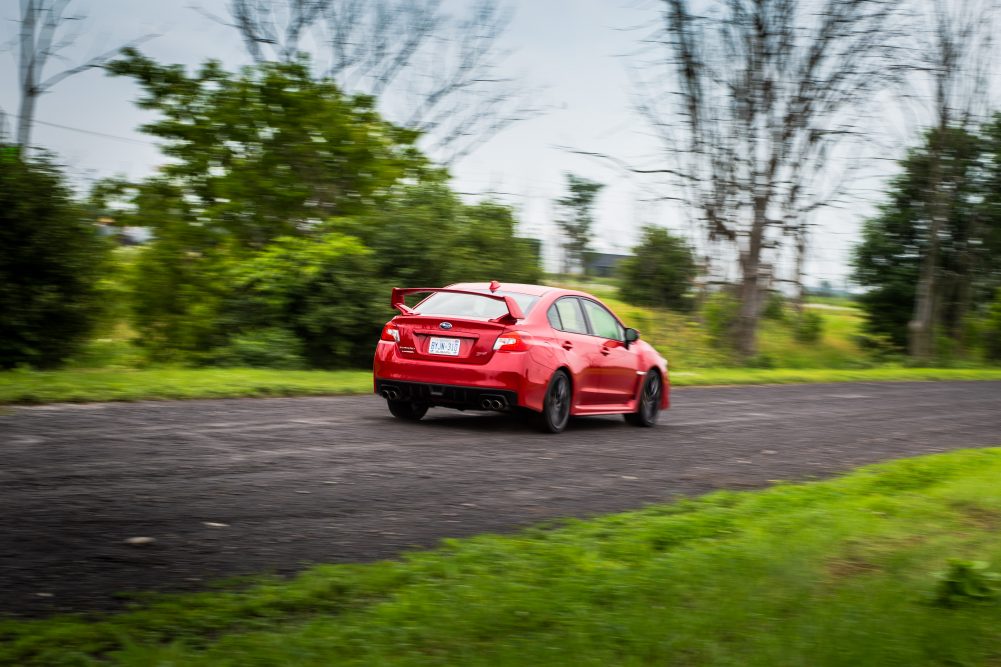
[556, 406]
[407, 410]
[649, 405]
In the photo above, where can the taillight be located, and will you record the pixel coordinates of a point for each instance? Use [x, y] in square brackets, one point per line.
[511, 341]
[391, 333]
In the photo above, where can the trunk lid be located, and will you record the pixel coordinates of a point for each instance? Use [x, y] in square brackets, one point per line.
[461, 341]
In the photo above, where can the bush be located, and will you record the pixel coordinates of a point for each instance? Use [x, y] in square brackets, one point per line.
[720, 313]
[263, 348]
[808, 327]
[50, 259]
[322, 291]
[660, 272]
[967, 582]
[774, 307]
[991, 331]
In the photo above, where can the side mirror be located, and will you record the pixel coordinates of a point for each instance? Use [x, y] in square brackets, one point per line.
[632, 336]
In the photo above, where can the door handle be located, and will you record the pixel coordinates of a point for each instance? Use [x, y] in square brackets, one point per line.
[567, 345]
[605, 351]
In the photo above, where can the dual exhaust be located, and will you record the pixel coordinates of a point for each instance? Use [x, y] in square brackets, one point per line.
[486, 403]
[493, 403]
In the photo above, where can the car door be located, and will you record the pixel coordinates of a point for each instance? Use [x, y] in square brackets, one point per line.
[617, 365]
[582, 350]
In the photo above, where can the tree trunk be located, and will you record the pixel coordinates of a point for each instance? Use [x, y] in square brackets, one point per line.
[746, 337]
[26, 115]
[800, 295]
[921, 328]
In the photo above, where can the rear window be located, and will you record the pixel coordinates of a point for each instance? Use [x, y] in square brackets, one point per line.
[470, 305]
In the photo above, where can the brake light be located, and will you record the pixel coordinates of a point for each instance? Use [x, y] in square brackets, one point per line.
[511, 341]
[391, 333]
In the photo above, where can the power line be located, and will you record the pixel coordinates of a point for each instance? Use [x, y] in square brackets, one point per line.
[96, 134]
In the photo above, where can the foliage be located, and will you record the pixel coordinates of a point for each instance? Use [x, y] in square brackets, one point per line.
[775, 307]
[660, 271]
[822, 573]
[179, 279]
[50, 260]
[720, 313]
[260, 159]
[424, 235]
[270, 151]
[894, 243]
[808, 327]
[274, 347]
[322, 292]
[967, 582]
[576, 219]
[992, 329]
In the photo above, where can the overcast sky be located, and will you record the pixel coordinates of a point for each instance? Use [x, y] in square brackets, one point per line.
[575, 51]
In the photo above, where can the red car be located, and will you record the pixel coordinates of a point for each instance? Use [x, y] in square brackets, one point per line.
[513, 347]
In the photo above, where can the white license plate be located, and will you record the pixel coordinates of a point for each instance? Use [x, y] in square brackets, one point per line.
[447, 346]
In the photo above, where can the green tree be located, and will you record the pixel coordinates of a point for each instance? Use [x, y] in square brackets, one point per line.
[50, 259]
[255, 156]
[269, 151]
[895, 243]
[576, 219]
[660, 272]
[426, 236]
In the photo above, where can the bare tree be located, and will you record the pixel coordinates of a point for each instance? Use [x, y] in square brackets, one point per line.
[751, 100]
[431, 71]
[955, 59]
[274, 30]
[43, 35]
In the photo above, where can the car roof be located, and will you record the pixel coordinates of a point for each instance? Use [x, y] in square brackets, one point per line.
[520, 288]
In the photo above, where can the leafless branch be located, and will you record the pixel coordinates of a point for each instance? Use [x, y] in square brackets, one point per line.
[42, 36]
[431, 71]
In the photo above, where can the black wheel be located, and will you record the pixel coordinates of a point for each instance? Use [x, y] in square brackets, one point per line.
[556, 407]
[649, 408]
[407, 410]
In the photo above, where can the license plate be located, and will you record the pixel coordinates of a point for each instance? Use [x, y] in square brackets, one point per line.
[447, 346]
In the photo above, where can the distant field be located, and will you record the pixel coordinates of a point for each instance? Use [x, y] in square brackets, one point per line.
[688, 346]
[895, 564]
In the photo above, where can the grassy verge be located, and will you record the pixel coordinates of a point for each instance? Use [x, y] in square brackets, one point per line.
[75, 385]
[723, 376]
[840, 572]
[81, 386]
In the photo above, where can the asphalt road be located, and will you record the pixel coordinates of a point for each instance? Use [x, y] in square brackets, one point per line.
[233, 487]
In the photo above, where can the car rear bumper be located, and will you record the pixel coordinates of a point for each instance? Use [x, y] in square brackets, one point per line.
[505, 378]
[476, 398]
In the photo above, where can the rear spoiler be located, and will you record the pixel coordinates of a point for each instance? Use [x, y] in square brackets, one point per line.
[513, 309]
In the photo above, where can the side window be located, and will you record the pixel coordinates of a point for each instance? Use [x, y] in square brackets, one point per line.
[571, 316]
[603, 322]
[554, 318]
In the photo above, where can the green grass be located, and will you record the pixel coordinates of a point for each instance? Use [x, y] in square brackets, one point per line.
[840, 572]
[723, 376]
[688, 346]
[27, 387]
[79, 385]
